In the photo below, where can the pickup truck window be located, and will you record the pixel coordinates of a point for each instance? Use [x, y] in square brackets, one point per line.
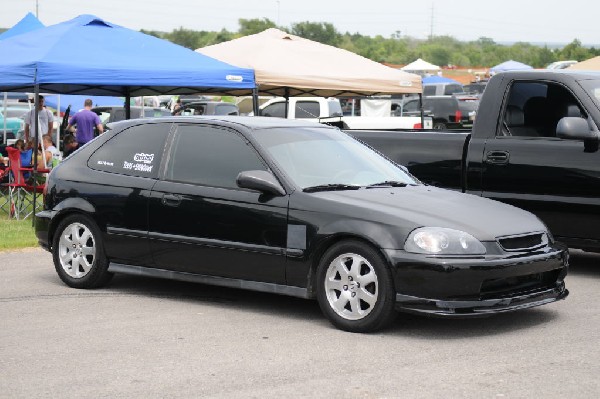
[307, 109]
[533, 109]
[275, 110]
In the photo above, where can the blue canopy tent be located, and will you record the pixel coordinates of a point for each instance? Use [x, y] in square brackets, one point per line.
[438, 79]
[510, 66]
[27, 24]
[87, 55]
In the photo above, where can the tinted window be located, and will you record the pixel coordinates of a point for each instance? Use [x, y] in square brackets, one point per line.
[156, 113]
[136, 151]
[210, 156]
[452, 88]
[411, 106]
[226, 109]
[275, 109]
[307, 109]
[428, 90]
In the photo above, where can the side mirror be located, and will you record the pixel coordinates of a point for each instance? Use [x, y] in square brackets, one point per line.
[260, 180]
[574, 128]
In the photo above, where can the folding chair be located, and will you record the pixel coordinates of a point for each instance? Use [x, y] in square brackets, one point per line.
[19, 190]
[4, 193]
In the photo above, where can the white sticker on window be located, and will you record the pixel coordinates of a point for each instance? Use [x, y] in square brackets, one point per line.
[145, 158]
[140, 163]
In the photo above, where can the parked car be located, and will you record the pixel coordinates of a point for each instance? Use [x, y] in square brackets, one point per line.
[329, 111]
[441, 89]
[207, 108]
[109, 114]
[475, 88]
[561, 64]
[448, 112]
[13, 125]
[290, 207]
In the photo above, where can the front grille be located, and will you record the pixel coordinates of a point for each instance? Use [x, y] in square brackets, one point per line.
[509, 286]
[523, 242]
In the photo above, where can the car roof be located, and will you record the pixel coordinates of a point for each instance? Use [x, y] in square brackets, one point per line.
[250, 122]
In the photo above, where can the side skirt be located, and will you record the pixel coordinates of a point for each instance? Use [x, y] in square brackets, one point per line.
[210, 280]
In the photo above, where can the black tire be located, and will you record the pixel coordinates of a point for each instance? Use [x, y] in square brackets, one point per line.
[349, 305]
[439, 126]
[78, 253]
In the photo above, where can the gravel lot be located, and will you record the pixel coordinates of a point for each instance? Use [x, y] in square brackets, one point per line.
[146, 338]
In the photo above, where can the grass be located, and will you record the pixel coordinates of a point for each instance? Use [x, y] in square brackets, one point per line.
[15, 234]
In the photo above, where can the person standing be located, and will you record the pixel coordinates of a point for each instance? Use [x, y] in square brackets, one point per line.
[85, 120]
[46, 120]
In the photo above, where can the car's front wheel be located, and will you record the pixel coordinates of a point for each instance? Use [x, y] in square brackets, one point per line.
[355, 288]
[78, 253]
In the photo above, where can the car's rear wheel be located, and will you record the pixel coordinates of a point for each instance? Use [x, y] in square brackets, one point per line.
[78, 253]
[355, 288]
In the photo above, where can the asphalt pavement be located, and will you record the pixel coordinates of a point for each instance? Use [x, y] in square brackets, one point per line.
[148, 338]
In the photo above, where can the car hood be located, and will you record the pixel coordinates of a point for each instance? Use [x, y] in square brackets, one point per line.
[419, 206]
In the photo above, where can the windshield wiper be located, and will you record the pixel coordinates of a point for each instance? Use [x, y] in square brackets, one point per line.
[330, 187]
[388, 183]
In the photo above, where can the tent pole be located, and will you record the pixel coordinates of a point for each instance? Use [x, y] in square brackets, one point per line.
[422, 112]
[5, 133]
[35, 147]
[57, 141]
[255, 104]
[287, 101]
[127, 103]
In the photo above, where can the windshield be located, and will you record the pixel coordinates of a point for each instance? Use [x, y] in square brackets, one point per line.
[593, 89]
[322, 156]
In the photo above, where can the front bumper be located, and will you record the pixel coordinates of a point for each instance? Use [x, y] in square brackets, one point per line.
[479, 286]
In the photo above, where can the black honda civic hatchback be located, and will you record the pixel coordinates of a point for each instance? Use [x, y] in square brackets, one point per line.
[294, 208]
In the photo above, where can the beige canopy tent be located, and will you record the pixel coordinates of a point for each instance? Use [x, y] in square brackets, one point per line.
[593, 64]
[288, 65]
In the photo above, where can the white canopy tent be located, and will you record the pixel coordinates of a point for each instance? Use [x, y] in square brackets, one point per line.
[421, 66]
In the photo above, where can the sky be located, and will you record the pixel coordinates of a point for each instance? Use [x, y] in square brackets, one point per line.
[550, 21]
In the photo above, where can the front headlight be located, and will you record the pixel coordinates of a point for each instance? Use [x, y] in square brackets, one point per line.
[442, 241]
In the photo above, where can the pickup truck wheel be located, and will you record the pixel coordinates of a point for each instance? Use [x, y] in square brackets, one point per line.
[78, 253]
[439, 126]
[355, 289]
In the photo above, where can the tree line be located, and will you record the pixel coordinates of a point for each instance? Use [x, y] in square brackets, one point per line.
[397, 49]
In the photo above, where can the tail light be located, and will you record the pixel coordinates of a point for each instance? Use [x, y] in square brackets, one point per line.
[457, 116]
[417, 126]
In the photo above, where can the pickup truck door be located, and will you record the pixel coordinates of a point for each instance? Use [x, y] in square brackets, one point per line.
[526, 165]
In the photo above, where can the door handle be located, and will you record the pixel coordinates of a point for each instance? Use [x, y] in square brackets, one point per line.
[497, 157]
[171, 200]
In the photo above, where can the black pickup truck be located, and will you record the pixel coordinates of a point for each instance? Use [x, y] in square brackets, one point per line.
[534, 145]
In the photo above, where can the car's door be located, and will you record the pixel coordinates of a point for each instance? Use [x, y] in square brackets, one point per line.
[201, 222]
[526, 165]
[124, 170]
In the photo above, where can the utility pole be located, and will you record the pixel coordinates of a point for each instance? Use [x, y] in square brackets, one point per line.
[278, 13]
[431, 29]
[36, 9]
